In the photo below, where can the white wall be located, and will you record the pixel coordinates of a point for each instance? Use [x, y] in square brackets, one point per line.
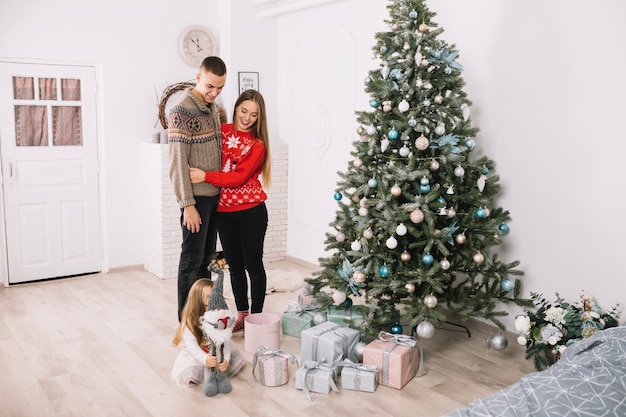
[546, 79]
[547, 83]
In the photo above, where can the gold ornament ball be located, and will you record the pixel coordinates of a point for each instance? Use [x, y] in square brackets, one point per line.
[438, 99]
[406, 46]
[421, 143]
[460, 238]
[410, 288]
[368, 234]
[359, 277]
[423, 27]
[479, 258]
[396, 190]
[424, 62]
[430, 301]
[434, 165]
[360, 130]
[405, 256]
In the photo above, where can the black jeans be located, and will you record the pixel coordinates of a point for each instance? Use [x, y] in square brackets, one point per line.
[197, 249]
[242, 234]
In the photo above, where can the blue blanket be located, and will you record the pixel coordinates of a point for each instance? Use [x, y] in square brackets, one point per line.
[588, 380]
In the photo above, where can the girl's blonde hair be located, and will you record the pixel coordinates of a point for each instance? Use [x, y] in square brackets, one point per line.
[193, 309]
[260, 131]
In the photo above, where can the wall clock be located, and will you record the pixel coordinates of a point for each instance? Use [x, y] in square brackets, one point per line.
[196, 43]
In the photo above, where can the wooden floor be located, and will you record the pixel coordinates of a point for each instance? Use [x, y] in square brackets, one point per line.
[100, 345]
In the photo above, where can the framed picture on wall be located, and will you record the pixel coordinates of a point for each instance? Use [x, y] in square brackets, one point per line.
[248, 81]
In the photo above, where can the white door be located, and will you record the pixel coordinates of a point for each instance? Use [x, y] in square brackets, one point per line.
[49, 150]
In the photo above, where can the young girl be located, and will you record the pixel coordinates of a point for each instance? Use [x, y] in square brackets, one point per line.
[193, 356]
[241, 213]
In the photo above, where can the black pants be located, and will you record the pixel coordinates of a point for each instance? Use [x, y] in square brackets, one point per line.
[197, 249]
[242, 234]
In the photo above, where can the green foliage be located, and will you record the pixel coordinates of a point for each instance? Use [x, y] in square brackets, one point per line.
[417, 94]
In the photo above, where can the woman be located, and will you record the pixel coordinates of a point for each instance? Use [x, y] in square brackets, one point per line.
[241, 212]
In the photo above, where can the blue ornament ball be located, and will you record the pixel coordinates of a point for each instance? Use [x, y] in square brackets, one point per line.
[383, 271]
[412, 14]
[396, 329]
[504, 228]
[485, 170]
[338, 196]
[373, 103]
[441, 200]
[428, 259]
[507, 284]
[372, 183]
[447, 70]
[348, 302]
[470, 143]
[424, 188]
[393, 134]
[480, 213]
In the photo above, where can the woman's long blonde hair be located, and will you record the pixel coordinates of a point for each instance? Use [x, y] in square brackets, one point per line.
[260, 130]
[193, 309]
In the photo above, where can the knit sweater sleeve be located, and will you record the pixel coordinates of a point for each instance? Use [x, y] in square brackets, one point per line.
[248, 166]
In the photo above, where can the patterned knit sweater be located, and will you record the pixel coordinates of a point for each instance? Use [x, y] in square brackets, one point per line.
[243, 155]
[194, 136]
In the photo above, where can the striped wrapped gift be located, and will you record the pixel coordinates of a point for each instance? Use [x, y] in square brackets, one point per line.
[273, 366]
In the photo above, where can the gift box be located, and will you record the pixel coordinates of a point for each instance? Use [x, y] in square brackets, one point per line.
[273, 366]
[298, 317]
[328, 342]
[316, 377]
[351, 316]
[398, 356]
[359, 377]
[262, 329]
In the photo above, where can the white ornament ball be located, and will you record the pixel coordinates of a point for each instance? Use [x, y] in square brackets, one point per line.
[391, 243]
[404, 151]
[479, 258]
[319, 318]
[396, 190]
[440, 129]
[357, 163]
[410, 287]
[368, 234]
[403, 106]
[498, 341]
[425, 330]
[355, 246]
[339, 297]
[430, 301]
[445, 264]
[424, 62]
[401, 229]
[434, 165]
[370, 130]
[422, 142]
[416, 216]
[459, 171]
[438, 99]
[359, 276]
[363, 211]
[340, 237]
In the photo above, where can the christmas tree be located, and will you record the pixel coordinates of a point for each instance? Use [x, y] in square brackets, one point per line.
[417, 223]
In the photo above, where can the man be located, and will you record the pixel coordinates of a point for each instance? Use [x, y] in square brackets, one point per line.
[194, 136]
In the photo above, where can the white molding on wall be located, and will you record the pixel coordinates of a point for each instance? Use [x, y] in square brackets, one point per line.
[267, 8]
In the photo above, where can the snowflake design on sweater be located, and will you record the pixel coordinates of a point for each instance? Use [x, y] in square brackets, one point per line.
[232, 142]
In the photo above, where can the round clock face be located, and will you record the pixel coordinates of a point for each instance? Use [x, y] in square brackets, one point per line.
[196, 43]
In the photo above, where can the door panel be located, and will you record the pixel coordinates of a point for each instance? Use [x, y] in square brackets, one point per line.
[50, 170]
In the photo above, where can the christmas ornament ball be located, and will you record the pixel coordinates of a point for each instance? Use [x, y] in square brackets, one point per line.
[423, 27]
[374, 103]
[503, 228]
[427, 259]
[440, 129]
[430, 301]
[480, 213]
[405, 256]
[319, 318]
[363, 211]
[401, 229]
[359, 277]
[410, 287]
[355, 245]
[421, 142]
[358, 351]
[403, 106]
[357, 163]
[459, 171]
[339, 297]
[391, 243]
[340, 237]
[396, 190]
[396, 329]
[372, 182]
[416, 216]
[479, 258]
[434, 165]
[371, 130]
[507, 284]
[383, 271]
[368, 233]
[445, 264]
[498, 341]
[425, 330]
[404, 151]
[338, 196]
[460, 238]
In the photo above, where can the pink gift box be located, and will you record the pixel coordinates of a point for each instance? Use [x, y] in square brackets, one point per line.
[262, 329]
[273, 366]
[398, 357]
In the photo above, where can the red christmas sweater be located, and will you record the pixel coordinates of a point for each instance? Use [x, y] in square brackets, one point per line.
[243, 155]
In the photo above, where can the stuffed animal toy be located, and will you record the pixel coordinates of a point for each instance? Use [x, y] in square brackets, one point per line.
[217, 324]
